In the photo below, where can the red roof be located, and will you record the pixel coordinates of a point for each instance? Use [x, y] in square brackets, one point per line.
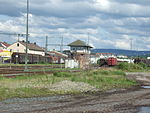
[5, 44]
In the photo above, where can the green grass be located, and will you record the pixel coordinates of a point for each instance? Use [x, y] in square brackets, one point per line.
[28, 64]
[130, 67]
[37, 85]
[53, 69]
[105, 79]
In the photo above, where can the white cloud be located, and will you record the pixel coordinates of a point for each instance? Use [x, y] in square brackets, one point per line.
[123, 44]
[110, 22]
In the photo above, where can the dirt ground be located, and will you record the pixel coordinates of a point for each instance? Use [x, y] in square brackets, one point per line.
[131, 100]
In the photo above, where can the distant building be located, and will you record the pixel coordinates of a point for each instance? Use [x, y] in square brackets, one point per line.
[105, 55]
[121, 56]
[80, 52]
[4, 45]
[80, 47]
[148, 58]
[57, 57]
[20, 47]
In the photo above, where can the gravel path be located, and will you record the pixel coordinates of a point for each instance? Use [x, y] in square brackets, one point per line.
[125, 101]
[142, 77]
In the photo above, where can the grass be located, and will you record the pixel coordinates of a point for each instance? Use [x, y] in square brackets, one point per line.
[53, 69]
[106, 79]
[130, 67]
[29, 64]
[38, 85]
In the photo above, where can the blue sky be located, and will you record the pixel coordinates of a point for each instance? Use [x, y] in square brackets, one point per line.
[110, 23]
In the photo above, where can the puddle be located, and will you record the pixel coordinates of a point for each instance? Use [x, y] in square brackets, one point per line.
[146, 87]
[144, 110]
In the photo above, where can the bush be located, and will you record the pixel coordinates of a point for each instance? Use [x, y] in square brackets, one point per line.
[131, 66]
[62, 74]
[143, 65]
[123, 66]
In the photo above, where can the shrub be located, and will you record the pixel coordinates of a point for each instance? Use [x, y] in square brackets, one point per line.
[62, 74]
[131, 66]
[123, 66]
[143, 65]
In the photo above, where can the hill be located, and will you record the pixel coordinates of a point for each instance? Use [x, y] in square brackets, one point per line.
[122, 52]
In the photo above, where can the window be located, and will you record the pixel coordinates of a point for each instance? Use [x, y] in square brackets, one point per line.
[18, 45]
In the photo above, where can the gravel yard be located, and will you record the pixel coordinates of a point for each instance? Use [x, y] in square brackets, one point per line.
[131, 100]
[72, 86]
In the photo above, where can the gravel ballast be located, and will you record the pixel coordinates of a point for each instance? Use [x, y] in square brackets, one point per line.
[67, 86]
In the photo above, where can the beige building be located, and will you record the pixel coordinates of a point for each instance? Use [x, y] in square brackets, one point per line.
[20, 47]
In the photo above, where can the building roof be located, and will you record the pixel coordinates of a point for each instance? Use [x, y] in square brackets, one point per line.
[79, 43]
[2, 44]
[32, 46]
[56, 53]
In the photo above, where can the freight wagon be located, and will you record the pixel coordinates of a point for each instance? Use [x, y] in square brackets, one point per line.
[32, 58]
[142, 60]
[107, 62]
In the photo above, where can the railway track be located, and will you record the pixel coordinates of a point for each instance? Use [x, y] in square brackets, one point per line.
[32, 67]
[14, 71]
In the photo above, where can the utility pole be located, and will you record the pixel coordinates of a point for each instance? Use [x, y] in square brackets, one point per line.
[88, 52]
[131, 44]
[46, 44]
[27, 34]
[131, 48]
[18, 37]
[61, 45]
[88, 38]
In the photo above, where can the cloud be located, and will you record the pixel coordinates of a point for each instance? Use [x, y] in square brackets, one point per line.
[110, 23]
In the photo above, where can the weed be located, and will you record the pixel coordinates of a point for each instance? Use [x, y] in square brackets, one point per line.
[30, 86]
[62, 74]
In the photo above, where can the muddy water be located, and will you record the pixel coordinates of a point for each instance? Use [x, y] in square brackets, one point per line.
[146, 87]
[144, 110]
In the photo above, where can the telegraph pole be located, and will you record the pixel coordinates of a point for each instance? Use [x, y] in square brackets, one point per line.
[27, 35]
[88, 52]
[131, 48]
[61, 45]
[131, 44]
[46, 44]
[88, 38]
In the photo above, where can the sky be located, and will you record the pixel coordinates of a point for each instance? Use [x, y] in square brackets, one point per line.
[110, 24]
